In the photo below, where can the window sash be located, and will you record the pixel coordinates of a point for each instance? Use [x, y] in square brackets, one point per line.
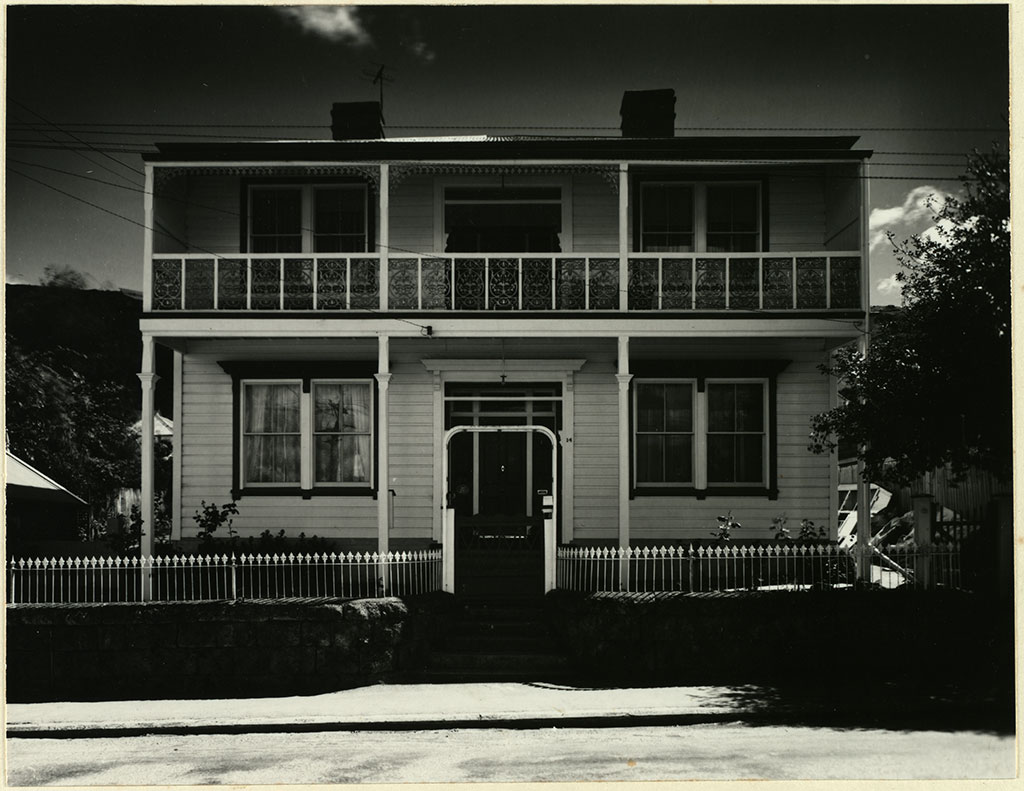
[718, 217]
[743, 439]
[663, 450]
[312, 228]
[282, 450]
[722, 454]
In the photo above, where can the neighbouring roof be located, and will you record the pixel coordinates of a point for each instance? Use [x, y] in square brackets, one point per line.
[22, 477]
[162, 426]
[538, 147]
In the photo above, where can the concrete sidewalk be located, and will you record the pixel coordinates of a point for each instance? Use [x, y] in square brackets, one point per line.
[390, 706]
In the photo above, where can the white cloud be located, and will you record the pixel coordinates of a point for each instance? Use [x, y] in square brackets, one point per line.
[334, 23]
[920, 204]
[422, 51]
[889, 285]
[18, 279]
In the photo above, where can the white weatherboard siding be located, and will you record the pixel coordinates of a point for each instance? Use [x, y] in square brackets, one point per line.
[796, 213]
[804, 478]
[595, 210]
[206, 417]
[412, 216]
[206, 429]
[596, 449]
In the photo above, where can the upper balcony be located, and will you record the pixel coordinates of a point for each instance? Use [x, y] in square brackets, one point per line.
[504, 226]
[775, 281]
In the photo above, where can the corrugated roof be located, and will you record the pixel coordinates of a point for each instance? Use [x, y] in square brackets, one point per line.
[21, 473]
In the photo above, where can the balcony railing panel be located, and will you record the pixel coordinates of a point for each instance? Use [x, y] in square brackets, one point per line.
[812, 281]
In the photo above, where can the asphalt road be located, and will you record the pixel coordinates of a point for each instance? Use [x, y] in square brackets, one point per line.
[723, 751]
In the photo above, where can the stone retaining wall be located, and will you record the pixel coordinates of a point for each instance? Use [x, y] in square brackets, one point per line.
[191, 650]
[771, 637]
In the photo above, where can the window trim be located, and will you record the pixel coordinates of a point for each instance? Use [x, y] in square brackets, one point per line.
[700, 218]
[306, 373]
[307, 189]
[765, 371]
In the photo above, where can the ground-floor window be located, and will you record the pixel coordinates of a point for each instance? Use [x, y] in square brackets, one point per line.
[287, 438]
[306, 428]
[703, 434]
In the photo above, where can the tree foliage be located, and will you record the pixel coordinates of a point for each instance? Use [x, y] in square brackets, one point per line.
[935, 387]
[76, 429]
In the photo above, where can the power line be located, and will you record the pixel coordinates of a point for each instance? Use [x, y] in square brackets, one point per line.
[174, 238]
[45, 120]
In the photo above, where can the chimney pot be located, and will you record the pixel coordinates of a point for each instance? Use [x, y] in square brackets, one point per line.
[357, 121]
[648, 113]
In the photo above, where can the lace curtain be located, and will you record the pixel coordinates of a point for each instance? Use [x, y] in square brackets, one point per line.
[273, 435]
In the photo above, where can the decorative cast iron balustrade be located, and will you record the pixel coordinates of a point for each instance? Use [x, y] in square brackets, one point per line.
[477, 282]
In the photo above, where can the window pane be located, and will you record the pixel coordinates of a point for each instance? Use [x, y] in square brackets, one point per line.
[749, 458]
[272, 458]
[650, 407]
[721, 407]
[749, 407]
[720, 458]
[667, 218]
[679, 458]
[341, 407]
[732, 207]
[272, 408]
[650, 455]
[679, 407]
[342, 458]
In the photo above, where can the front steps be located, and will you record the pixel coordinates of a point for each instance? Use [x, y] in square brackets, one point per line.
[496, 639]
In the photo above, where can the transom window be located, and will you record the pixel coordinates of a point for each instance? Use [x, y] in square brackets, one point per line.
[291, 437]
[298, 218]
[688, 436]
[685, 217]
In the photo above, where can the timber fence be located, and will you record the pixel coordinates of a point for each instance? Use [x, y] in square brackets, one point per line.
[352, 575]
[752, 567]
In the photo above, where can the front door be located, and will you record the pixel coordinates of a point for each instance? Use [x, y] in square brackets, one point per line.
[497, 480]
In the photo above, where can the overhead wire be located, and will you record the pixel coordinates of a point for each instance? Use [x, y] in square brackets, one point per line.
[76, 138]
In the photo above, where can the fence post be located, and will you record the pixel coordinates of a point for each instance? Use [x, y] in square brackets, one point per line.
[689, 567]
[234, 578]
[924, 525]
[14, 567]
[1002, 511]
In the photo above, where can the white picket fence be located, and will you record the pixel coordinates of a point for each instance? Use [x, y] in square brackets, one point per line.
[735, 567]
[351, 575]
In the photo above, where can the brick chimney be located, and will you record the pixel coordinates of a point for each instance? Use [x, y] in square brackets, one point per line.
[357, 121]
[648, 113]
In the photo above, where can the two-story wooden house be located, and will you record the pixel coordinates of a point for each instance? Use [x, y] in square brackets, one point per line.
[372, 335]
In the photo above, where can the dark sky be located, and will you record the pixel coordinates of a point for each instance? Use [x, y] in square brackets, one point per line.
[120, 77]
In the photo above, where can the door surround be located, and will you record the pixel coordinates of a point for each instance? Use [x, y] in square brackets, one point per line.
[513, 372]
[448, 535]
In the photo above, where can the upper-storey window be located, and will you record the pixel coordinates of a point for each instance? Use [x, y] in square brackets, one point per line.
[302, 218]
[686, 217]
[503, 219]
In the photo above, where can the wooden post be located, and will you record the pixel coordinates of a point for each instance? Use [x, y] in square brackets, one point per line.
[384, 242]
[623, 237]
[383, 468]
[623, 377]
[146, 439]
[924, 524]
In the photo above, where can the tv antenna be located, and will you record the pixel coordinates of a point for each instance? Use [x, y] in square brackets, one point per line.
[378, 77]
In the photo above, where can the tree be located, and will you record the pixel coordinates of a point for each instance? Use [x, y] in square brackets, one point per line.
[62, 277]
[935, 387]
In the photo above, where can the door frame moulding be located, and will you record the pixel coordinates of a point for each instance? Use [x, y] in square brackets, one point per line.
[516, 372]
